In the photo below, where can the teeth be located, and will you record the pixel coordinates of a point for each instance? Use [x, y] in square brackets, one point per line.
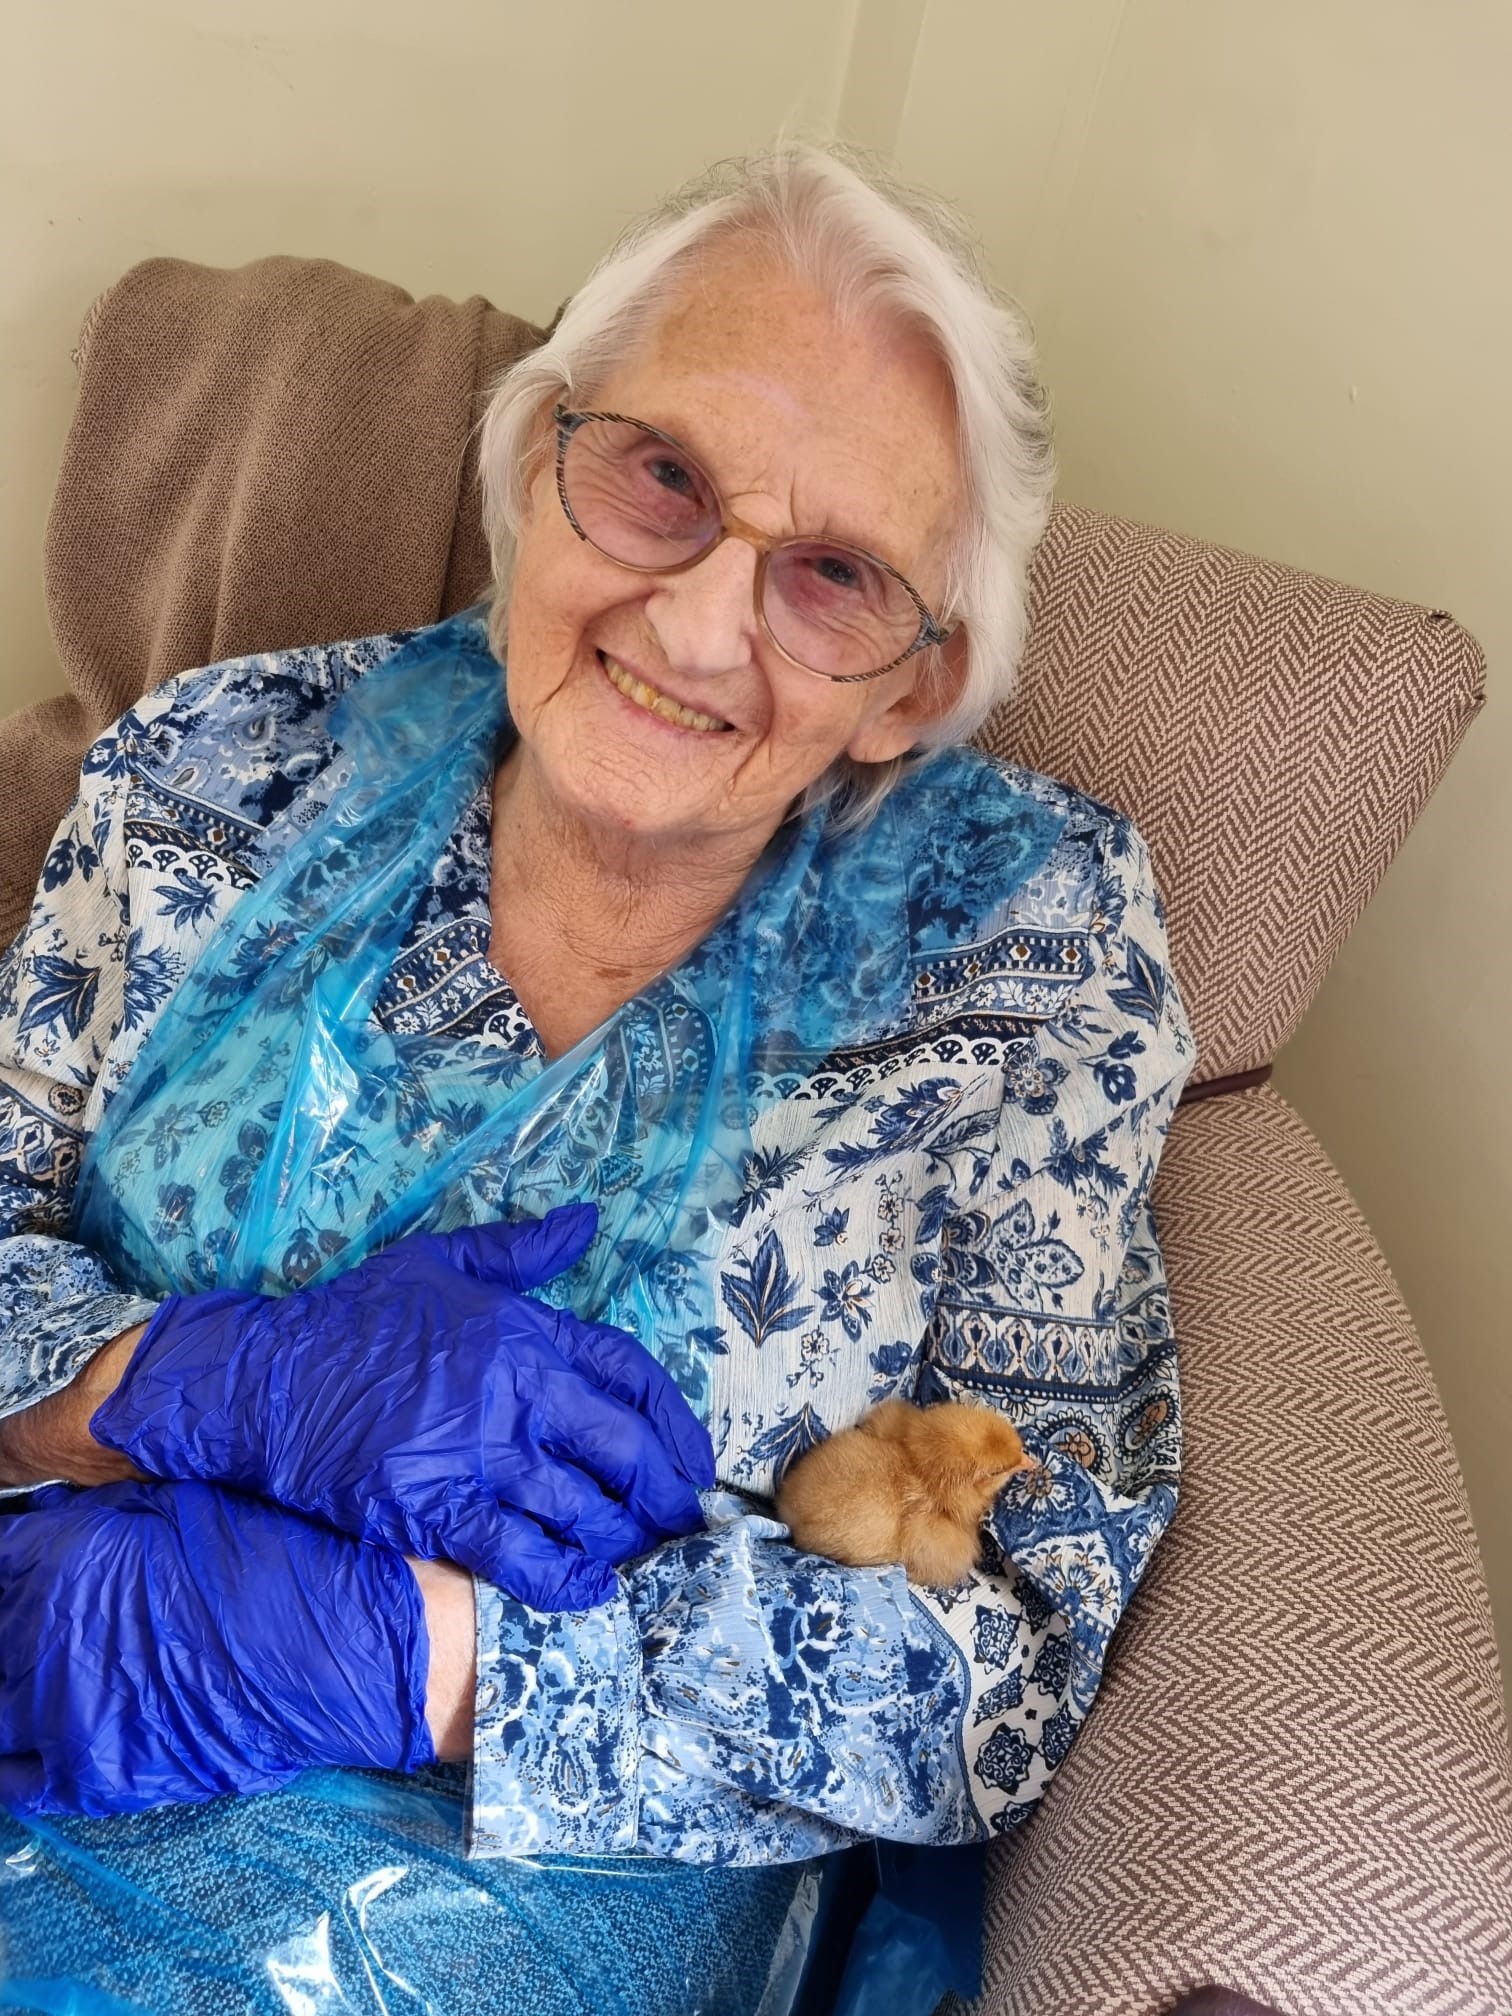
[657, 703]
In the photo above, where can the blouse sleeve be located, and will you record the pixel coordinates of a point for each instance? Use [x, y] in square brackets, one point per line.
[124, 909]
[740, 1701]
[64, 997]
[1052, 1306]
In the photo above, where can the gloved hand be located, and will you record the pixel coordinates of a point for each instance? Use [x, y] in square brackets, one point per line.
[423, 1400]
[170, 1642]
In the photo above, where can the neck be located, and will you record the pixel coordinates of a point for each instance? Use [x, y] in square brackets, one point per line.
[615, 907]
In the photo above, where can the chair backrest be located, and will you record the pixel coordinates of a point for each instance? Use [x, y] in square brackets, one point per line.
[280, 453]
[1273, 734]
[260, 456]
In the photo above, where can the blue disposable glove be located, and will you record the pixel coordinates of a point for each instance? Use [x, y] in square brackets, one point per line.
[170, 1642]
[424, 1400]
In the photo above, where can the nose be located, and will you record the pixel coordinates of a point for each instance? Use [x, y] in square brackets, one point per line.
[705, 619]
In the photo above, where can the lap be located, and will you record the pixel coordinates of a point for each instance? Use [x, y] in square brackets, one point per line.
[348, 1891]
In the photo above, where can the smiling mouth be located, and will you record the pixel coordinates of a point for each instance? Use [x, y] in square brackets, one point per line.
[642, 695]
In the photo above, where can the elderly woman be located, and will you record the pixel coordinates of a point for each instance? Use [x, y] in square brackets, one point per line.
[403, 1024]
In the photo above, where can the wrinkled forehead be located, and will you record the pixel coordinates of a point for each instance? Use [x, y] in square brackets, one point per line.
[848, 423]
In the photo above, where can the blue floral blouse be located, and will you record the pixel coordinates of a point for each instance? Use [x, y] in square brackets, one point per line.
[960, 1209]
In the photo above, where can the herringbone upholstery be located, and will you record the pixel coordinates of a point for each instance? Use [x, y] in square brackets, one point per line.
[1274, 735]
[1295, 1779]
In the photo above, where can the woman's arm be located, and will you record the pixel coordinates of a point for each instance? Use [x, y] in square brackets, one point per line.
[64, 999]
[743, 1702]
[118, 919]
[50, 1441]
[451, 1682]
[168, 1643]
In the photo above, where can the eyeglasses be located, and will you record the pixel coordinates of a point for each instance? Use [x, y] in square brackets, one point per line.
[645, 502]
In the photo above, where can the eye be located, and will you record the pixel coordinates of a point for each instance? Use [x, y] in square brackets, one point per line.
[838, 572]
[833, 578]
[671, 474]
[671, 491]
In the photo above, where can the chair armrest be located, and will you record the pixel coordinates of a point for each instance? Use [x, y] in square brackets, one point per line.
[1295, 1784]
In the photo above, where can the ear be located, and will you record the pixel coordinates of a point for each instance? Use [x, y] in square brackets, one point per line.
[934, 681]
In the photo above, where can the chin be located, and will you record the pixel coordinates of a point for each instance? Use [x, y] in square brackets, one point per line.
[606, 795]
[628, 783]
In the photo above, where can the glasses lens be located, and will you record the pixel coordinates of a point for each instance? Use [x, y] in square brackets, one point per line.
[837, 611]
[637, 497]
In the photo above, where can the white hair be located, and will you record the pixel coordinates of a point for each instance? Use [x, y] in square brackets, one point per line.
[868, 244]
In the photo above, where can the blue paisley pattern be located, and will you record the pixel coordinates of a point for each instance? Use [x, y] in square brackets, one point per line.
[956, 1208]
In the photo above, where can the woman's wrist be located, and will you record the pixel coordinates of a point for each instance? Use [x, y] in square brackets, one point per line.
[51, 1440]
[451, 1624]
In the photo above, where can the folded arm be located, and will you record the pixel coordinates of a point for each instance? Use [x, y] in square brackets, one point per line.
[113, 929]
[49, 1441]
[742, 1702]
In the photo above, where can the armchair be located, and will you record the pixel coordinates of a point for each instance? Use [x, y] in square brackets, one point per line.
[1302, 1712]
[1301, 1715]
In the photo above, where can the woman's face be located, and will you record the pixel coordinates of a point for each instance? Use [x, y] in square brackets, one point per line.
[807, 429]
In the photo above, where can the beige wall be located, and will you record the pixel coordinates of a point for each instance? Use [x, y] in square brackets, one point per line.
[1263, 246]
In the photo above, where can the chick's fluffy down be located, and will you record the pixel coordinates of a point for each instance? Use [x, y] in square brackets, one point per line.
[906, 1484]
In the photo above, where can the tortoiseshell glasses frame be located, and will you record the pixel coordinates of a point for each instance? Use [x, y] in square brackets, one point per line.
[725, 525]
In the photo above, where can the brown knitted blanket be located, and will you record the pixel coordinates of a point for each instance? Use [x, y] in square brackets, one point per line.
[275, 454]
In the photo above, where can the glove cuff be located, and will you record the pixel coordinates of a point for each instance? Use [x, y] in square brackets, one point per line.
[189, 1403]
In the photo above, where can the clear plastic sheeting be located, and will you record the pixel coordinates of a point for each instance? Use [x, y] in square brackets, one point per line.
[274, 1129]
[347, 1895]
